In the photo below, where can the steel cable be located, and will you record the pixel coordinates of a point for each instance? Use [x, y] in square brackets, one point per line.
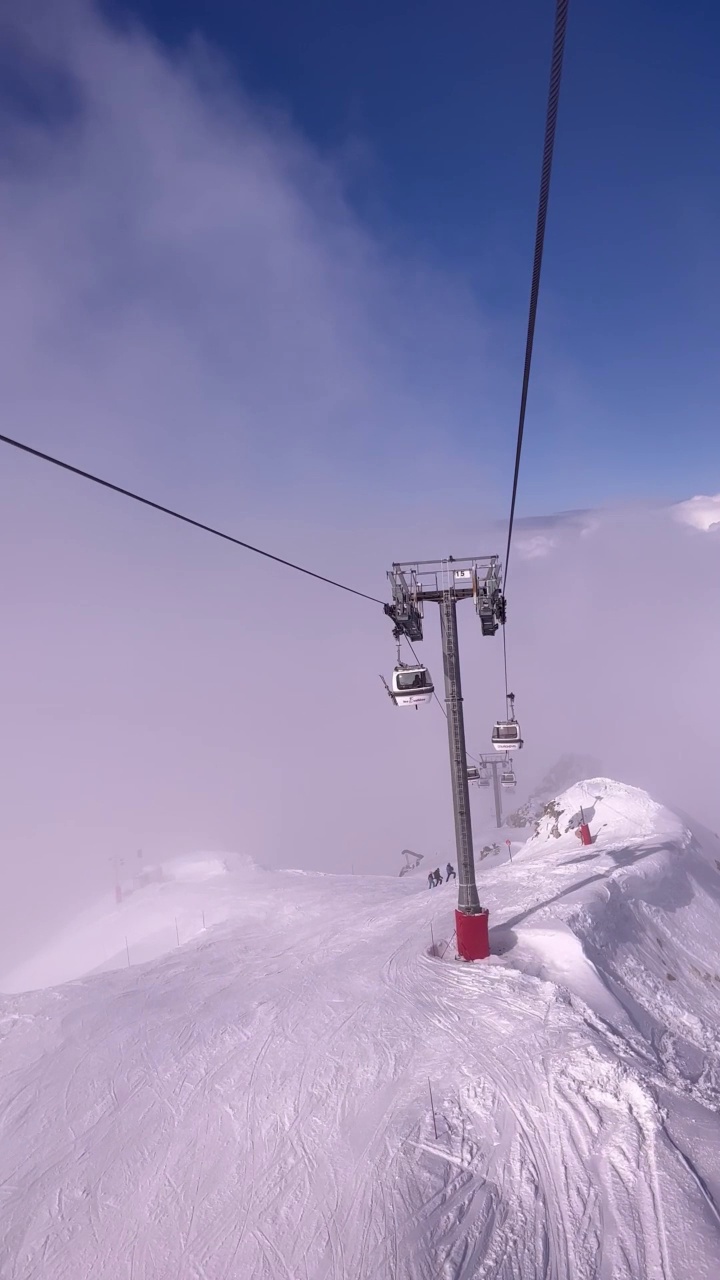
[177, 515]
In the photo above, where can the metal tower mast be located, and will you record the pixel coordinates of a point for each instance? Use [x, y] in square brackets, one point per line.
[468, 900]
[445, 582]
[495, 766]
[496, 789]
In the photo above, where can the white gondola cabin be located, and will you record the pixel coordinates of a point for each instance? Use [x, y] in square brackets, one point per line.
[411, 686]
[507, 777]
[483, 776]
[506, 735]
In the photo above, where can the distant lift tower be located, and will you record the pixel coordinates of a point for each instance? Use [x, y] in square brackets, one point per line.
[487, 768]
[445, 582]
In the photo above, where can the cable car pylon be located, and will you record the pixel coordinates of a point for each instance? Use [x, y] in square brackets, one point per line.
[487, 771]
[445, 582]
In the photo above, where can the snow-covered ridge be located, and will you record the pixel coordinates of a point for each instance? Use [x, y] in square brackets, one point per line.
[612, 809]
[256, 1103]
[565, 772]
[163, 908]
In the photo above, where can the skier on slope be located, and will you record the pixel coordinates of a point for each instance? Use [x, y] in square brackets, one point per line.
[431, 880]
[450, 872]
[438, 877]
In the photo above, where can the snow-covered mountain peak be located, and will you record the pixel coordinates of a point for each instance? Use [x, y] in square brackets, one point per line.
[615, 810]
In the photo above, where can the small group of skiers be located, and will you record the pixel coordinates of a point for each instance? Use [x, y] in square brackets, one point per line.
[435, 878]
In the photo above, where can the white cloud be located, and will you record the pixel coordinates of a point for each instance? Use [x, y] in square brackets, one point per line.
[180, 262]
[538, 536]
[535, 546]
[701, 512]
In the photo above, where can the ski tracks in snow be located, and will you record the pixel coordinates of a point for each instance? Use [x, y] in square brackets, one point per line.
[258, 1111]
[574, 1157]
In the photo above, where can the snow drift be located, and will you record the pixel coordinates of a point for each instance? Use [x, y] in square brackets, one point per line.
[256, 1103]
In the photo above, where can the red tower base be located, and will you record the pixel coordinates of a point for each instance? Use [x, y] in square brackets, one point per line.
[472, 935]
[583, 833]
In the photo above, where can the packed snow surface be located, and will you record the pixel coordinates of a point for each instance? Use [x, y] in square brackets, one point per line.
[255, 1104]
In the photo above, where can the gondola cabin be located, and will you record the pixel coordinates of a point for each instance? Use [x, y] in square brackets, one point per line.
[506, 735]
[411, 686]
[483, 778]
[507, 777]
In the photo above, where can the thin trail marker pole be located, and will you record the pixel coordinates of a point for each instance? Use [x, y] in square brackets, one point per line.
[177, 932]
[203, 916]
[432, 937]
[432, 1104]
[127, 952]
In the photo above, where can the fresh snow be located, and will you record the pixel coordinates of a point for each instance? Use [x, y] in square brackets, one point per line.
[255, 1104]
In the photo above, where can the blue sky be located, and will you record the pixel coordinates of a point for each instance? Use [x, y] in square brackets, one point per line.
[434, 116]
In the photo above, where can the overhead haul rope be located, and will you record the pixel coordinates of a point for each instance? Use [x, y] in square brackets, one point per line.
[177, 515]
[558, 49]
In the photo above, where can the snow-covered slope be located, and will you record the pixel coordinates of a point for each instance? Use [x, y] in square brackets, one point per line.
[184, 898]
[256, 1104]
